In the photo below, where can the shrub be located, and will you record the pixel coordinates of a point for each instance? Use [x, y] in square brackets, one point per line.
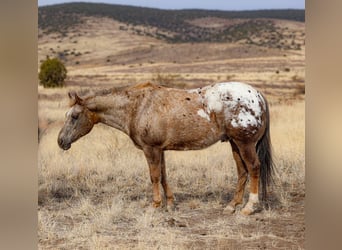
[52, 73]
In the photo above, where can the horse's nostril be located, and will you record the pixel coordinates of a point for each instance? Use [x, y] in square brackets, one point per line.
[63, 144]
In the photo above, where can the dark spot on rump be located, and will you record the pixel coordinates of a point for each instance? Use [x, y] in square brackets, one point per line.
[199, 92]
[249, 91]
[224, 138]
[238, 99]
[227, 98]
[145, 131]
[252, 101]
[184, 115]
[188, 99]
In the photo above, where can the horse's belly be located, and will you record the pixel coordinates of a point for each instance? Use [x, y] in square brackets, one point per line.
[191, 139]
[189, 145]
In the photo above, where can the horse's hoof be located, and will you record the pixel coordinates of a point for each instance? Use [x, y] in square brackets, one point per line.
[170, 207]
[247, 211]
[251, 208]
[229, 210]
[156, 204]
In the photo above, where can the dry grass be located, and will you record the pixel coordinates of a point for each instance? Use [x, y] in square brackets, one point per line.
[97, 195]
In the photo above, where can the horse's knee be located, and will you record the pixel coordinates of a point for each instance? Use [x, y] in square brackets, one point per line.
[253, 166]
[155, 175]
[255, 171]
[155, 179]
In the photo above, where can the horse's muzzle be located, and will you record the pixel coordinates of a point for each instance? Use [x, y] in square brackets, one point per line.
[63, 144]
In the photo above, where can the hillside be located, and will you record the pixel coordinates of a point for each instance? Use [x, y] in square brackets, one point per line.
[105, 44]
[251, 27]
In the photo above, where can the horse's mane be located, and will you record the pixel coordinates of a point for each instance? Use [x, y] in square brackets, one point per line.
[89, 93]
[142, 86]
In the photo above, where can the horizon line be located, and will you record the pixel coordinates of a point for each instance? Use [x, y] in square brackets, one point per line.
[148, 7]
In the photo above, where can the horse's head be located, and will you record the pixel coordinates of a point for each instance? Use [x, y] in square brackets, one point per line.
[79, 122]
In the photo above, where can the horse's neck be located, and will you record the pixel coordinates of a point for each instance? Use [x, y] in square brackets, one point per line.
[113, 110]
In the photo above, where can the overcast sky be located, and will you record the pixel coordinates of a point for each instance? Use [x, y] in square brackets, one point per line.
[199, 4]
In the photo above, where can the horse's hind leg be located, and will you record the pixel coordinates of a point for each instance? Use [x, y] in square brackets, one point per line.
[167, 190]
[241, 183]
[250, 158]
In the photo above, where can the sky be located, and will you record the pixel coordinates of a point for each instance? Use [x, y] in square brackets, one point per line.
[198, 4]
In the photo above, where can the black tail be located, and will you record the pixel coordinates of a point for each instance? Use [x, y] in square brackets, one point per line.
[264, 151]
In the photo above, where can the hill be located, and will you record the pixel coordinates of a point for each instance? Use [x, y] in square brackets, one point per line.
[103, 45]
[175, 26]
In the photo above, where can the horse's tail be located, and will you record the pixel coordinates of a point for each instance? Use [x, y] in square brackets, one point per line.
[264, 151]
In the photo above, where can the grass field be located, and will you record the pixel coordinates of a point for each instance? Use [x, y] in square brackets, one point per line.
[97, 195]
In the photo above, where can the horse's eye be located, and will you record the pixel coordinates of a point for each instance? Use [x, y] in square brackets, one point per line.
[74, 116]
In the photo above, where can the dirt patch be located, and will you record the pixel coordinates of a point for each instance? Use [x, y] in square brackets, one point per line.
[203, 227]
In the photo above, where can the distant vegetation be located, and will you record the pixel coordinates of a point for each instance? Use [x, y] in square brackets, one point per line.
[173, 25]
[52, 73]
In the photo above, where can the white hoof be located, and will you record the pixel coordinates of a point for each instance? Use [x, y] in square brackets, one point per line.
[247, 211]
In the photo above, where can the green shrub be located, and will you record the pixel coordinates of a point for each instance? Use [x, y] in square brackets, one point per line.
[52, 73]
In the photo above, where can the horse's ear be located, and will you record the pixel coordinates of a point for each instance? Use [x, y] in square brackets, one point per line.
[78, 99]
[71, 95]
[74, 98]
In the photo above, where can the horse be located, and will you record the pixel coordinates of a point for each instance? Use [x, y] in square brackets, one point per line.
[158, 118]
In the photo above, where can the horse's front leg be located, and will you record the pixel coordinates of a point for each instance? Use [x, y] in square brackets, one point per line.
[154, 160]
[167, 190]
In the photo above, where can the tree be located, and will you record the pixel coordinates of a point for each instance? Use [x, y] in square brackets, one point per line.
[52, 73]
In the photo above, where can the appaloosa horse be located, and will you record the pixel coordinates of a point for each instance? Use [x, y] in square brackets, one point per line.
[157, 118]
